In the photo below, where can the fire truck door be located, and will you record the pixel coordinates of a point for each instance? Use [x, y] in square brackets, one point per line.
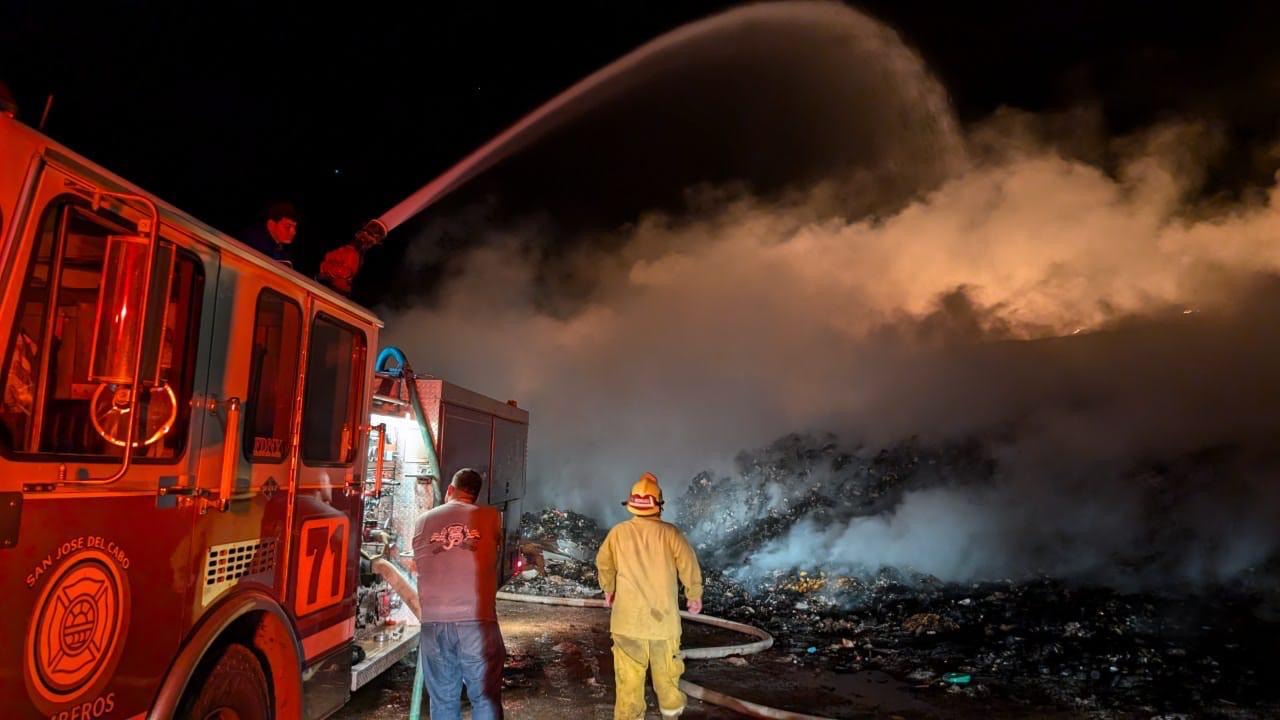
[326, 526]
[93, 608]
[239, 539]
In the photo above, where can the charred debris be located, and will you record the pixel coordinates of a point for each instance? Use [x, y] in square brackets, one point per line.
[1103, 652]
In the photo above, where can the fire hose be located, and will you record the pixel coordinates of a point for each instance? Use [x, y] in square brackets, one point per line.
[764, 642]
[403, 586]
[399, 582]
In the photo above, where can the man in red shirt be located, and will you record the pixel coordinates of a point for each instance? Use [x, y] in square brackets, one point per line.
[455, 549]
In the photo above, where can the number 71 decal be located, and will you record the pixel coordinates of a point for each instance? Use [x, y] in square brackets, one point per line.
[322, 564]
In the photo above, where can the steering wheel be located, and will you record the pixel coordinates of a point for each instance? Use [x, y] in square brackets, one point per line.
[110, 413]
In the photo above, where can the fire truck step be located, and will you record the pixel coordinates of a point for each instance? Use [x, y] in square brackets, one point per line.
[381, 656]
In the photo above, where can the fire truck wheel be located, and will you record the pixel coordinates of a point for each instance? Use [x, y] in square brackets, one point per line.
[234, 689]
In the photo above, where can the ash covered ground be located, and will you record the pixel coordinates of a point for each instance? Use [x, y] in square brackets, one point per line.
[1090, 645]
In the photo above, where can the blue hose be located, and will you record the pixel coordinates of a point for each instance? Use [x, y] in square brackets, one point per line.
[390, 353]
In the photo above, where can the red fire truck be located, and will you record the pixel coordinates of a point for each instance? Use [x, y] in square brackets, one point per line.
[214, 570]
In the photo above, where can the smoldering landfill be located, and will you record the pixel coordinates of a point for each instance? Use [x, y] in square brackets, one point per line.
[1101, 649]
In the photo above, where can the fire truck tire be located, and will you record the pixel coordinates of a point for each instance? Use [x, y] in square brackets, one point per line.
[235, 689]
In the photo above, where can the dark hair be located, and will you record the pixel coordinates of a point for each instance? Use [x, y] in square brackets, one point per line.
[281, 210]
[467, 481]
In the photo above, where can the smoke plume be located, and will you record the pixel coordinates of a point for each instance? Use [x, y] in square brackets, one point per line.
[1064, 300]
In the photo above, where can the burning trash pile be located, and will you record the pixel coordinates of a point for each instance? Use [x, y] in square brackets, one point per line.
[559, 549]
[1088, 648]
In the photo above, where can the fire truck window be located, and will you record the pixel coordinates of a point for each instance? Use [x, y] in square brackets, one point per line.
[48, 391]
[331, 404]
[273, 378]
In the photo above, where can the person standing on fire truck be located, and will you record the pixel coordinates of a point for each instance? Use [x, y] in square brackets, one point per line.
[455, 551]
[275, 237]
[639, 563]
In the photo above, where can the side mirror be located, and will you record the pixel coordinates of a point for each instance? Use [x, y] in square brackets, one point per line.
[121, 317]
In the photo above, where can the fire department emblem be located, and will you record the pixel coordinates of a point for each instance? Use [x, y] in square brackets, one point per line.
[454, 535]
[77, 628]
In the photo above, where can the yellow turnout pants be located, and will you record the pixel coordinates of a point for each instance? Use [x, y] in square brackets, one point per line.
[631, 656]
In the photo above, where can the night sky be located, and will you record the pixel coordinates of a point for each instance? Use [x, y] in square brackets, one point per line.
[222, 107]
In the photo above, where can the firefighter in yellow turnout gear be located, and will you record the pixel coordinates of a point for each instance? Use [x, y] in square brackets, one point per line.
[639, 564]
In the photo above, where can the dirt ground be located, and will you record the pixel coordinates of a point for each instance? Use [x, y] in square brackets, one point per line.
[560, 666]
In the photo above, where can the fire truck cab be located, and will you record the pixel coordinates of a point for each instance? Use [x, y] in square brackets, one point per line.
[214, 565]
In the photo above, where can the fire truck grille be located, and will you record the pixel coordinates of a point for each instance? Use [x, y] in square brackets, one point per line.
[230, 563]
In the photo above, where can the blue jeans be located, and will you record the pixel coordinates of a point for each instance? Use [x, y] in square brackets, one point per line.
[454, 654]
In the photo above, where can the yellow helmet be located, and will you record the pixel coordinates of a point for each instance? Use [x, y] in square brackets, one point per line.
[646, 496]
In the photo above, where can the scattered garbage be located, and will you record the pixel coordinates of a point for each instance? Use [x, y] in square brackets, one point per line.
[922, 676]
[928, 623]
[1093, 650]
